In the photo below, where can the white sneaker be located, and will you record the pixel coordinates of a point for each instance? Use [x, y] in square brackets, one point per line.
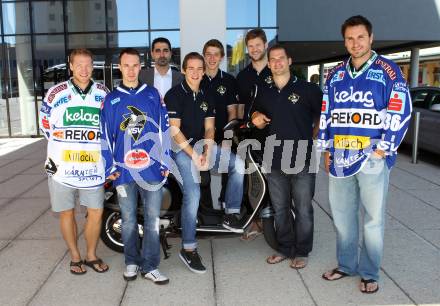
[156, 277]
[130, 272]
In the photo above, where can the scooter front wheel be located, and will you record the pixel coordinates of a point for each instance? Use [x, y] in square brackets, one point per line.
[111, 231]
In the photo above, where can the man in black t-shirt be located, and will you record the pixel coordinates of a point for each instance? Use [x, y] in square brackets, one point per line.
[191, 113]
[289, 109]
[254, 73]
[222, 87]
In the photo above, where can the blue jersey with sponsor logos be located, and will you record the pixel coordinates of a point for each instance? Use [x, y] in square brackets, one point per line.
[69, 119]
[136, 141]
[362, 112]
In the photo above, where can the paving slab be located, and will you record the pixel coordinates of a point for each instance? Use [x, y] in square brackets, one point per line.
[414, 265]
[15, 217]
[38, 168]
[407, 181]
[17, 166]
[411, 211]
[323, 223]
[19, 184]
[64, 288]
[185, 287]
[41, 190]
[344, 291]
[22, 276]
[432, 197]
[3, 243]
[47, 226]
[4, 161]
[432, 236]
[4, 201]
[244, 278]
[425, 170]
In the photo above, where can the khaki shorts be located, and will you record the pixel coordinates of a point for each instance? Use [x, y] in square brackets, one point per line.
[64, 198]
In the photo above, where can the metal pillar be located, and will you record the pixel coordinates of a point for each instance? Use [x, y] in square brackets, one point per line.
[415, 145]
[414, 68]
[321, 76]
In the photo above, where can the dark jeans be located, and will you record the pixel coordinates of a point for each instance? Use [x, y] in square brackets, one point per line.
[295, 238]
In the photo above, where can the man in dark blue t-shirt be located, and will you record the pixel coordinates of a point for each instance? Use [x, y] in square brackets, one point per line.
[289, 110]
[192, 118]
[222, 87]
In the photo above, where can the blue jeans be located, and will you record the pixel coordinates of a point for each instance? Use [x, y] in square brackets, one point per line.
[189, 180]
[368, 187]
[294, 237]
[149, 257]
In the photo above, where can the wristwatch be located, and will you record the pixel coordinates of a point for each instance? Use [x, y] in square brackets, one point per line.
[250, 124]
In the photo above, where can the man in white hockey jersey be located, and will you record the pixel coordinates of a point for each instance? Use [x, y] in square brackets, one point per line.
[69, 119]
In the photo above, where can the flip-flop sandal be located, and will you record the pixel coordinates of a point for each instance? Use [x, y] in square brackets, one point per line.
[294, 264]
[335, 271]
[369, 281]
[98, 262]
[79, 265]
[275, 259]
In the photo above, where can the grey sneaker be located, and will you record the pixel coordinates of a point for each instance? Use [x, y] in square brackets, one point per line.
[130, 272]
[156, 277]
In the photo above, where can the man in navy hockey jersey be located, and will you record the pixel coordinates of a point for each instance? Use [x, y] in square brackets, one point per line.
[135, 134]
[365, 114]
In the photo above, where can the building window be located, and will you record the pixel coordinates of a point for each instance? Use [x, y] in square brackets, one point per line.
[241, 16]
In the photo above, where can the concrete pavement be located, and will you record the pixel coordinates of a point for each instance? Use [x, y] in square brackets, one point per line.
[34, 259]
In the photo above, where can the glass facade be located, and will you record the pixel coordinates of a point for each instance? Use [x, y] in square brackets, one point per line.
[36, 37]
[242, 16]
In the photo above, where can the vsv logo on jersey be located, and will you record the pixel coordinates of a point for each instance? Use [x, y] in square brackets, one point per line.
[81, 115]
[396, 103]
[133, 122]
[354, 96]
[376, 75]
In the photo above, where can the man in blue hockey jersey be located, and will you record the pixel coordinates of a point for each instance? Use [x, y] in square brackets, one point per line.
[365, 114]
[135, 134]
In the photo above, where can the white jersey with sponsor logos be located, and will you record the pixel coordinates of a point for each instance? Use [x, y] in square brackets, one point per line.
[362, 112]
[70, 120]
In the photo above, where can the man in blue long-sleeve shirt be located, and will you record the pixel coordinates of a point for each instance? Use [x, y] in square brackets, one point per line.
[135, 134]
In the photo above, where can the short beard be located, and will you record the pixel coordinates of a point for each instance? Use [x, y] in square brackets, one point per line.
[162, 61]
[362, 55]
[260, 58]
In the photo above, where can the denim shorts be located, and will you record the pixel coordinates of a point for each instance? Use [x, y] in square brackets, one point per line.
[64, 198]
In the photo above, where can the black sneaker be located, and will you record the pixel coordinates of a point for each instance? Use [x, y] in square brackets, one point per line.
[192, 260]
[233, 223]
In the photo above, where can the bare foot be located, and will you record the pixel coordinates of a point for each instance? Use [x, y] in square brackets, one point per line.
[368, 286]
[298, 263]
[274, 259]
